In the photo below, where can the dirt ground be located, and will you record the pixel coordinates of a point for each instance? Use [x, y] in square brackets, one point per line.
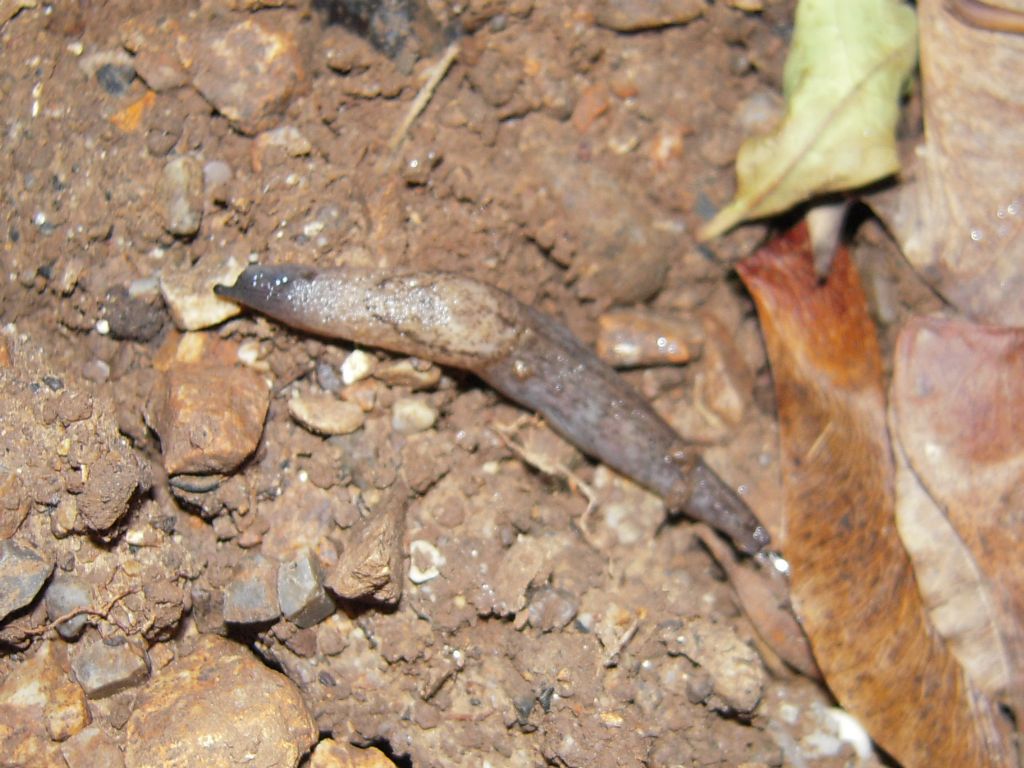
[562, 157]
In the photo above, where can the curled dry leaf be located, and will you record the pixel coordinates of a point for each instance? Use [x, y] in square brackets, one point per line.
[960, 221]
[852, 583]
[958, 403]
[847, 66]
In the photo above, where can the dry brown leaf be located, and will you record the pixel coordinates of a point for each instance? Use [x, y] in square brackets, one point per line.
[764, 596]
[958, 398]
[852, 583]
[961, 221]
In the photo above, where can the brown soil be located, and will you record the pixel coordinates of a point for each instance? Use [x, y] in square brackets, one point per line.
[564, 161]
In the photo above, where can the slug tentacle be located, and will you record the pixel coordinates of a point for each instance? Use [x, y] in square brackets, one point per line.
[526, 355]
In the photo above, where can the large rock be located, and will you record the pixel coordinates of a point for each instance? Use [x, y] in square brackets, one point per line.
[40, 706]
[337, 754]
[214, 706]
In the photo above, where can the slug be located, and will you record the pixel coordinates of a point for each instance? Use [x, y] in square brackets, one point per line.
[525, 355]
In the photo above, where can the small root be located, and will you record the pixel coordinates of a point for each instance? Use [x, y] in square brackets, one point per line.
[434, 77]
[103, 613]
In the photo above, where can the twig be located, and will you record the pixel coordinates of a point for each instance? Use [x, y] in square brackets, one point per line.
[435, 75]
[612, 658]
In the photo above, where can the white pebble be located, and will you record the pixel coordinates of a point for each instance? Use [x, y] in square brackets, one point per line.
[851, 731]
[249, 352]
[425, 561]
[412, 414]
[189, 295]
[102, 327]
[216, 172]
[357, 366]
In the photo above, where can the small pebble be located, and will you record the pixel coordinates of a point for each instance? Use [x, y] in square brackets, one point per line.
[41, 705]
[408, 372]
[735, 670]
[209, 417]
[325, 414]
[115, 78]
[249, 72]
[412, 414]
[66, 593]
[418, 164]
[182, 191]
[216, 175]
[105, 667]
[288, 138]
[300, 591]
[329, 377]
[188, 292]
[251, 596]
[749, 6]
[22, 574]
[249, 352]
[425, 561]
[340, 754]
[550, 608]
[357, 366]
[636, 15]
[636, 337]
[362, 393]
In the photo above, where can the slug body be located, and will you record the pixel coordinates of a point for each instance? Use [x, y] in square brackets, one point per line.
[527, 356]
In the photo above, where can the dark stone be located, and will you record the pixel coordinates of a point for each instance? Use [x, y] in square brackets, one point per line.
[115, 78]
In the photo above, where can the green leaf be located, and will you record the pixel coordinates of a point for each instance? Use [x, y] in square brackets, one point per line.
[847, 67]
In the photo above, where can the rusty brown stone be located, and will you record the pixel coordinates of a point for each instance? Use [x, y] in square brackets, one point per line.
[248, 72]
[209, 418]
[215, 704]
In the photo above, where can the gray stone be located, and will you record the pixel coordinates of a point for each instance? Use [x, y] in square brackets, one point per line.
[208, 609]
[104, 667]
[300, 591]
[64, 594]
[251, 596]
[22, 574]
[551, 608]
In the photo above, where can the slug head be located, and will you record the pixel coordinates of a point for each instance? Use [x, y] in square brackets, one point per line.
[283, 292]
